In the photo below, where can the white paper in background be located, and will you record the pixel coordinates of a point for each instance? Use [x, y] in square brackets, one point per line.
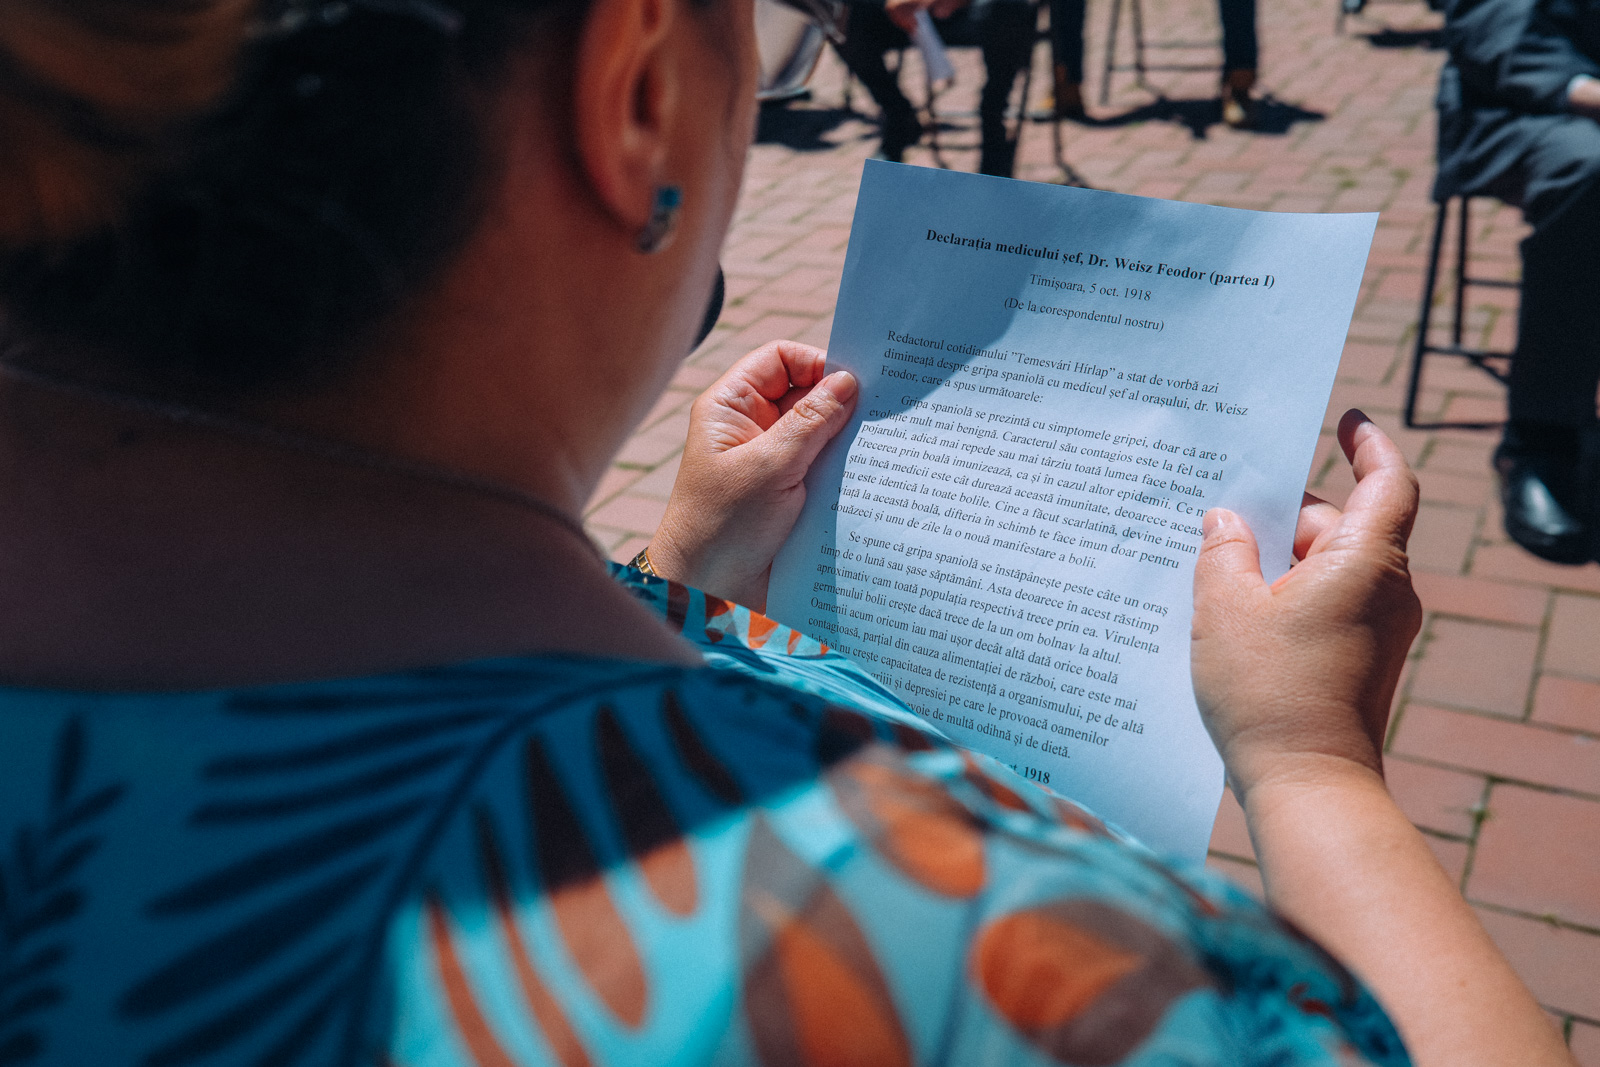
[1056, 384]
[934, 57]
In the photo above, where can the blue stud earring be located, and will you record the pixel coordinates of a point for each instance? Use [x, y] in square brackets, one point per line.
[658, 232]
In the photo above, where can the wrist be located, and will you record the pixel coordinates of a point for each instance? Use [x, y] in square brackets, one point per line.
[1268, 780]
[644, 565]
[668, 555]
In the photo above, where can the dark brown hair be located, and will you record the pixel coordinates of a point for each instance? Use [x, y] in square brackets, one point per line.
[225, 194]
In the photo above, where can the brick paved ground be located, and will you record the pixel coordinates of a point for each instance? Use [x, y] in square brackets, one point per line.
[1495, 747]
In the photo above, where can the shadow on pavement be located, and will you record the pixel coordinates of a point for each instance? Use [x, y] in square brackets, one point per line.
[1274, 117]
[800, 129]
[1386, 38]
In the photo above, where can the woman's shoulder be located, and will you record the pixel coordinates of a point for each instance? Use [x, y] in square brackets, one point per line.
[738, 872]
[565, 860]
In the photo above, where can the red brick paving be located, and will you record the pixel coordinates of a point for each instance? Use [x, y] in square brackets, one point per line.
[1491, 745]
[1495, 748]
[1524, 828]
[1567, 702]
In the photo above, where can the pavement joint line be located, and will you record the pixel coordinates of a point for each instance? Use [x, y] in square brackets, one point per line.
[1550, 919]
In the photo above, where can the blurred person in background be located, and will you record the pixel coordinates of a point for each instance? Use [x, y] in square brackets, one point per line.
[1002, 29]
[1519, 101]
[1240, 58]
[327, 737]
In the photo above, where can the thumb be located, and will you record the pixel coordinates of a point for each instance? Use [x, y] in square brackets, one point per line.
[792, 443]
[1230, 560]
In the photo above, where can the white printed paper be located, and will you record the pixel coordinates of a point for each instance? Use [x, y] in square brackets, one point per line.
[1056, 384]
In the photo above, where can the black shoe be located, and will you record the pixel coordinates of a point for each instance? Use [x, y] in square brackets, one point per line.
[1548, 509]
[901, 130]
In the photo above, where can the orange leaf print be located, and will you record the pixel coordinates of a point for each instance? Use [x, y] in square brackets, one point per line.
[760, 629]
[1078, 819]
[915, 823]
[1002, 795]
[717, 627]
[1298, 995]
[1082, 981]
[654, 839]
[599, 940]
[558, 1032]
[912, 739]
[813, 993]
[1041, 971]
[473, 1028]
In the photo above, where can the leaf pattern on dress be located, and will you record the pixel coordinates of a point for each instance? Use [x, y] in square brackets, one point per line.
[840, 733]
[923, 831]
[1084, 982]
[542, 1003]
[1074, 816]
[596, 936]
[654, 838]
[472, 1026]
[813, 993]
[990, 786]
[289, 932]
[692, 751]
[41, 891]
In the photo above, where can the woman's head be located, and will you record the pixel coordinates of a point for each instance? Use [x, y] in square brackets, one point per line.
[233, 195]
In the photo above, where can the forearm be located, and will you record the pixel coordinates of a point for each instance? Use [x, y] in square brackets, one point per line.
[1340, 860]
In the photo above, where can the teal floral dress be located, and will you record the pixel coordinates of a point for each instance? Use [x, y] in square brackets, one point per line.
[764, 861]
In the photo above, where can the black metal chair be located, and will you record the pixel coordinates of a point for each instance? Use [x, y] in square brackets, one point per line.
[1140, 66]
[1495, 364]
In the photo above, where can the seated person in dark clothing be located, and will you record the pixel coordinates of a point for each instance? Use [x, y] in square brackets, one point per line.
[1518, 103]
[1002, 28]
[1239, 59]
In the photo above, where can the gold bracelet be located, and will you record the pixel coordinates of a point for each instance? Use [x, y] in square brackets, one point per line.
[641, 563]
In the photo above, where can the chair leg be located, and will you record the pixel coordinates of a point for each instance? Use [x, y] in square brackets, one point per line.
[1136, 10]
[1462, 236]
[1111, 53]
[1425, 318]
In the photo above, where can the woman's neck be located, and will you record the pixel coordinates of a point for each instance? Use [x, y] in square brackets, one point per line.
[140, 553]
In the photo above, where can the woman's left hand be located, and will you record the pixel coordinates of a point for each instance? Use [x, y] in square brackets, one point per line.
[752, 438]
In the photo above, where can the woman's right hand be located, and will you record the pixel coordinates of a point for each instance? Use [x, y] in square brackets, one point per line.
[1296, 678]
[752, 438]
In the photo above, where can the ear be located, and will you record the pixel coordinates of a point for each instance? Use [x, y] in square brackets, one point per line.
[625, 90]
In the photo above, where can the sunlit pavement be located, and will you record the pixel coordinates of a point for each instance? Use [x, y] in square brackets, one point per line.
[1495, 745]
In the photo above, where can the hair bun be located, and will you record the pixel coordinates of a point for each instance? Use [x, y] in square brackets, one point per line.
[91, 92]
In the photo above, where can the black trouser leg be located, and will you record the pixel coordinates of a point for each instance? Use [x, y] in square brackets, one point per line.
[1066, 36]
[1557, 367]
[869, 35]
[1239, 51]
[1006, 35]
